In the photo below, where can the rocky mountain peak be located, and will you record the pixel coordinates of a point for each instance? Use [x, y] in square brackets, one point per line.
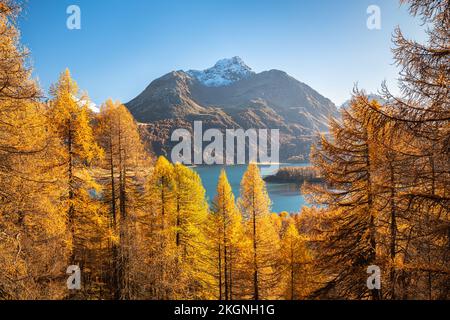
[223, 73]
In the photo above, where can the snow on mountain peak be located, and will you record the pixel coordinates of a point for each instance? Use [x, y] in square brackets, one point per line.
[224, 73]
[84, 101]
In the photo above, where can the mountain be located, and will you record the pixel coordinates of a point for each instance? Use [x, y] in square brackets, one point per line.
[371, 96]
[231, 95]
[224, 72]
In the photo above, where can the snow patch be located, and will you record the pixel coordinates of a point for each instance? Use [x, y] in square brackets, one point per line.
[224, 73]
[83, 101]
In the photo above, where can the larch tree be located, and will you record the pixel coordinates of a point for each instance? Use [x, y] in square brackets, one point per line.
[122, 175]
[421, 114]
[424, 109]
[160, 226]
[227, 235]
[70, 123]
[254, 204]
[346, 161]
[295, 262]
[191, 214]
[175, 223]
[32, 229]
[407, 144]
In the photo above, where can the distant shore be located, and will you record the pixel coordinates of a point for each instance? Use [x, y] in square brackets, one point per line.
[297, 175]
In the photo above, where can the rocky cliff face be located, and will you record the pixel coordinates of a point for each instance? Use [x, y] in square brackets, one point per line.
[228, 96]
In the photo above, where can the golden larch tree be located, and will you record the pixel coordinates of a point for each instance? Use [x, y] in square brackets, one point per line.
[254, 204]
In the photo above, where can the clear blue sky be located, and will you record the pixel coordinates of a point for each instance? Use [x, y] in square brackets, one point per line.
[125, 44]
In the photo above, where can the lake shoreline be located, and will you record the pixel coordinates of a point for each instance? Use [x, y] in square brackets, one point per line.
[297, 175]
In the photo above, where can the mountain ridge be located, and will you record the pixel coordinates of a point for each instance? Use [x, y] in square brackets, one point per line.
[231, 95]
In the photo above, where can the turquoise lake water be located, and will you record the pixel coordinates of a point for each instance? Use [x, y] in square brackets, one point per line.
[284, 196]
